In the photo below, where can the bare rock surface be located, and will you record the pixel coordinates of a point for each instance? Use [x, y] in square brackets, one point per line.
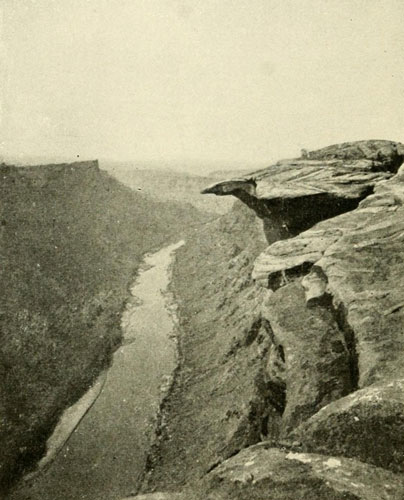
[368, 425]
[351, 265]
[297, 193]
[266, 473]
[159, 496]
[359, 256]
[316, 357]
[346, 170]
[326, 312]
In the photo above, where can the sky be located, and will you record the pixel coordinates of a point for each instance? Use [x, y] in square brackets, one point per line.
[200, 83]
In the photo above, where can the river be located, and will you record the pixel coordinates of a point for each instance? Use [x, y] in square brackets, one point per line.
[105, 453]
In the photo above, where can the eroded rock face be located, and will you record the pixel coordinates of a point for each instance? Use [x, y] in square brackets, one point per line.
[293, 195]
[316, 357]
[351, 265]
[343, 171]
[360, 262]
[332, 307]
[336, 308]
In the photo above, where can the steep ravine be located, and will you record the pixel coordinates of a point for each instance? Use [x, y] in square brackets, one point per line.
[220, 389]
[292, 375]
[71, 240]
[104, 455]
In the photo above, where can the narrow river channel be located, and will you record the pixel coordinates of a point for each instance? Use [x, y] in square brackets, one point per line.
[105, 454]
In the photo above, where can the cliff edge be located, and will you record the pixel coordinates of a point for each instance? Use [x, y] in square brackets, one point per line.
[292, 377]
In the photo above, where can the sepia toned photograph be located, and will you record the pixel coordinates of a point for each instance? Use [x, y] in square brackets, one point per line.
[201, 250]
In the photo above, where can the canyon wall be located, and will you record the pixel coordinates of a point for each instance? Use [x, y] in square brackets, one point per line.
[72, 238]
[292, 376]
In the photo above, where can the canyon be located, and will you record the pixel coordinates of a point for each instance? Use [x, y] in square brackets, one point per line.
[290, 375]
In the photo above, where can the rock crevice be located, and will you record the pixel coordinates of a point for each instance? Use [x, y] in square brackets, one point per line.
[349, 266]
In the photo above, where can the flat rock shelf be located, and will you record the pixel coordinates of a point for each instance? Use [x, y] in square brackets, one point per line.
[104, 455]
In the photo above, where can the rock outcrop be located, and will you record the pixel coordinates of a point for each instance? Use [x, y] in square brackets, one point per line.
[293, 195]
[264, 472]
[329, 296]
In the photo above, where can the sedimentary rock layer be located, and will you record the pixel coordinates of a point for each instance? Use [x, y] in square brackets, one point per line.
[329, 296]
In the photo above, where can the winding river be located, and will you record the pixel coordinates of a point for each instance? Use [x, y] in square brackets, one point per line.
[99, 447]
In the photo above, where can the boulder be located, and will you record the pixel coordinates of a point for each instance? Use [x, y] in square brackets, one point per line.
[265, 473]
[368, 425]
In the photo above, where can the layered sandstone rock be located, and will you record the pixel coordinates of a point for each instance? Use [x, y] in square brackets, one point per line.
[330, 297]
[348, 332]
[293, 195]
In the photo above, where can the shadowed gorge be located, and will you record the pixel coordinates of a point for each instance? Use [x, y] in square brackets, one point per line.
[289, 381]
[72, 238]
[201, 250]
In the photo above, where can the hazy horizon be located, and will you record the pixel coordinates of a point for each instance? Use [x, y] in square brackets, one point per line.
[197, 86]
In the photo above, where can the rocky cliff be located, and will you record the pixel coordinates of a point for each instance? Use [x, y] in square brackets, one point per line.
[291, 384]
